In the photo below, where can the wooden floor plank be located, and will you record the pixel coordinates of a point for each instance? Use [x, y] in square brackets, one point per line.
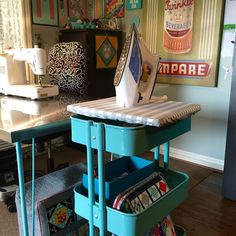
[206, 212]
[196, 173]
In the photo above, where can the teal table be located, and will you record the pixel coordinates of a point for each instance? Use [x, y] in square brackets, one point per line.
[22, 119]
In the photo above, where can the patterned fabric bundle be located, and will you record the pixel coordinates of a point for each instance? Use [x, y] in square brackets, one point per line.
[143, 195]
[162, 228]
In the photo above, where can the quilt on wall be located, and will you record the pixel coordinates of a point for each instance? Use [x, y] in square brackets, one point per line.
[115, 8]
[106, 51]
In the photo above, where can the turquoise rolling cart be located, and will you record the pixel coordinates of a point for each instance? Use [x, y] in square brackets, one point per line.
[124, 140]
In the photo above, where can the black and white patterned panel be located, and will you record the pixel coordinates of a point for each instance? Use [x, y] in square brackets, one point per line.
[67, 67]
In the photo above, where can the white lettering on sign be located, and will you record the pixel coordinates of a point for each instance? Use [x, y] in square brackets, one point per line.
[192, 70]
[198, 69]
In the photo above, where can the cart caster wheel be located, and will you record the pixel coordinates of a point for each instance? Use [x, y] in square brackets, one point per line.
[10, 203]
[11, 208]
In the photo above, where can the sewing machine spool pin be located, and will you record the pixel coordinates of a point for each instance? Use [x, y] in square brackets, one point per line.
[39, 79]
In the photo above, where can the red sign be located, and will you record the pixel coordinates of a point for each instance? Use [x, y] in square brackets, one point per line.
[185, 68]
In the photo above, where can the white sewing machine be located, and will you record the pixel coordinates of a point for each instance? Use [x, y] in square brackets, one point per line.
[13, 79]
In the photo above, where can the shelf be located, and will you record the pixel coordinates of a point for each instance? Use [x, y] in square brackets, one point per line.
[121, 174]
[120, 223]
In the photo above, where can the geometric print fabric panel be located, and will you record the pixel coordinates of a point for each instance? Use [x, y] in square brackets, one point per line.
[60, 216]
[106, 51]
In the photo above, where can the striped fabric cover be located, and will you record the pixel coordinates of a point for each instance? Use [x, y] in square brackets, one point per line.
[155, 113]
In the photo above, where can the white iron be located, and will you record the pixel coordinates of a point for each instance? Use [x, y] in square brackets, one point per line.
[136, 63]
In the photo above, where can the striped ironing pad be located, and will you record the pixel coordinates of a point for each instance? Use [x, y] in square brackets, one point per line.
[155, 113]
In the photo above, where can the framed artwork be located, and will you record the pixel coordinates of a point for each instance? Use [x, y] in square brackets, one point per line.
[72, 9]
[45, 12]
[77, 8]
[133, 4]
[115, 8]
[187, 38]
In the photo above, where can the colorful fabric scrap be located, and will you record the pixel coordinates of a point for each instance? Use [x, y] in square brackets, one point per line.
[60, 215]
[115, 8]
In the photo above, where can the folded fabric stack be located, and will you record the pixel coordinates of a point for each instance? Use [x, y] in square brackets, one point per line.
[141, 196]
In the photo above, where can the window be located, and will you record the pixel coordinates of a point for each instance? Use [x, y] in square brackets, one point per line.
[15, 23]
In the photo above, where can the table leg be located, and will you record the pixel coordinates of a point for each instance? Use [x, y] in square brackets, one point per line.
[101, 180]
[90, 169]
[166, 155]
[33, 186]
[20, 169]
[156, 154]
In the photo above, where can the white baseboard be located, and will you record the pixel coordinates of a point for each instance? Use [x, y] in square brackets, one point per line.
[195, 158]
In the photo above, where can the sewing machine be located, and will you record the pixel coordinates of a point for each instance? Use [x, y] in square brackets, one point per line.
[13, 78]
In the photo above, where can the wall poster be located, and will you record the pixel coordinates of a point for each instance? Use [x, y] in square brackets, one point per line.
[189, 37]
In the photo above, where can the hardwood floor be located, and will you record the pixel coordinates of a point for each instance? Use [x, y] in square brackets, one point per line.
[204, 213]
